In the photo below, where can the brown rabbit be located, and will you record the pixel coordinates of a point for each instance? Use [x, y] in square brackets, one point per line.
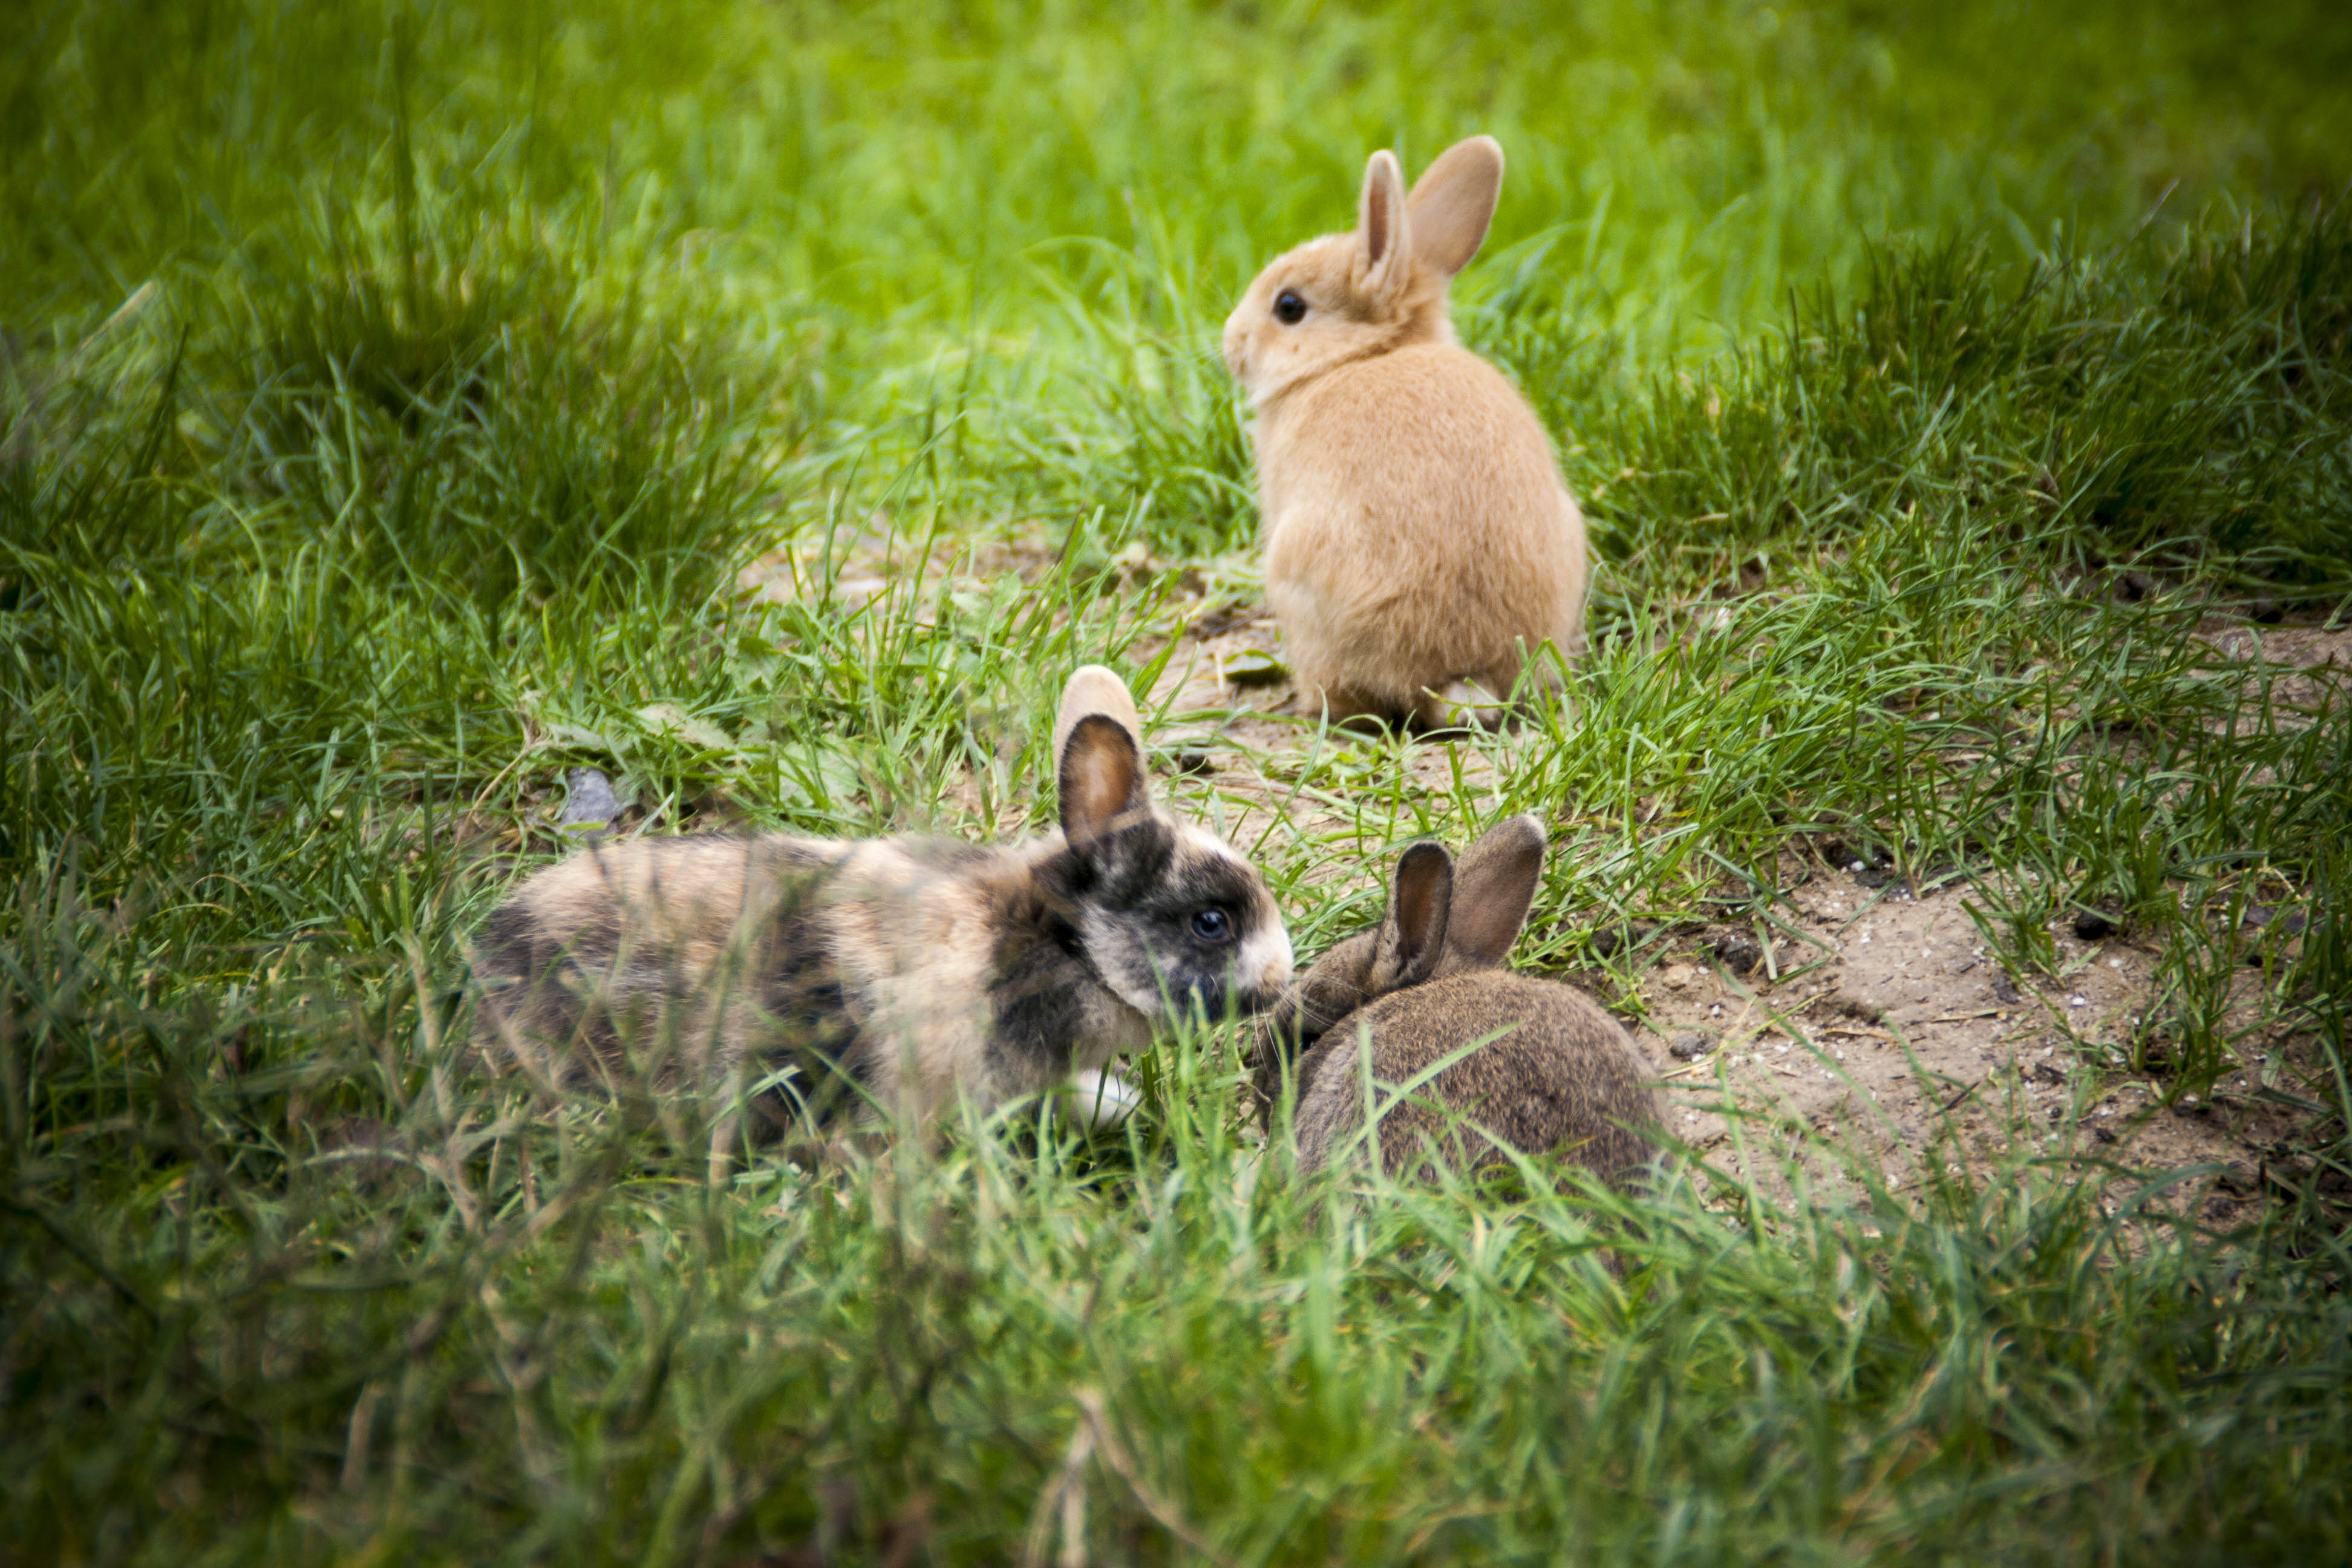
[1559, 1073]
[1418, 534]
[916, 970]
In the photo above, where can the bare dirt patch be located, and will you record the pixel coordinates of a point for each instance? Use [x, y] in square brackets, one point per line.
[1906, 1039]
[1885, 1023]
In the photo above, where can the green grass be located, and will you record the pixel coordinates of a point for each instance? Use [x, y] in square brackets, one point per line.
[390, 397]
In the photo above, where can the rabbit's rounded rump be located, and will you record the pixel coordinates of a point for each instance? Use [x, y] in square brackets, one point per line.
[1531, 1064]
[1446, 549]
[1556, 1074]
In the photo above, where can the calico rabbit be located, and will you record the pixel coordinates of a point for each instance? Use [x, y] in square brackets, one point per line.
[1559, 1074]
[1419, 538]
[916, 970]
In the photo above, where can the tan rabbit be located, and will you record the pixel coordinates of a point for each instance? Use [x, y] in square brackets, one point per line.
[1418, 534]
[1558, 1073]
[915, 970]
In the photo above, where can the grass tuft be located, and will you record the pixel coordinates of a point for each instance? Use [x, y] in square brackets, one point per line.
[402, 406]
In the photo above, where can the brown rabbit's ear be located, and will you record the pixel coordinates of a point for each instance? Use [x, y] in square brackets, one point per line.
[1413, 927]
[1380, 223]
[1493, 886]
[1453, 202]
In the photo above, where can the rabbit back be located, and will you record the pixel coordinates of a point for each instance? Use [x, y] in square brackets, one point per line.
[1417, 530]
[917, 970]
[682, 959]
[1562, 1075]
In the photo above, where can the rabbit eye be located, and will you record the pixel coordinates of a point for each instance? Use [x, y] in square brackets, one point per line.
[1212, 925]
[1289, 307]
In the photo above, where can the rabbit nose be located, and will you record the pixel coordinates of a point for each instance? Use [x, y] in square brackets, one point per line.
[1273, 973]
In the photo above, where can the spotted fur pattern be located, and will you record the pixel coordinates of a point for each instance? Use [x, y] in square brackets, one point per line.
[904, 971]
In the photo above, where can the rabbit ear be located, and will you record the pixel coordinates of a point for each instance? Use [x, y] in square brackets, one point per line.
[1094, 689]
[1098, 756]
[1454, 201]
[1493, 886]
[1380, 223]
[1102, 780]
[1413, 927]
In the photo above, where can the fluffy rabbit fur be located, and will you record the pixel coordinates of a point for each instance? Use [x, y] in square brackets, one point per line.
[1418, 535]
[1427, 982]
[916, 970]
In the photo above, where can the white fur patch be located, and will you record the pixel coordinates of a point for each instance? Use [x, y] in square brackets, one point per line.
[1103, 1100]
[1265, 959]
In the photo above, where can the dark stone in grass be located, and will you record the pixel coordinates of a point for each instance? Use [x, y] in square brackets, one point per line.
[2003, 990]
[2266, 611]
[2100, 1135]
[1195, 763]
[1691, 1044]
[1256, 667]
[590, 807]
[2260, 917]
[1738, 951]
[1873, 876]
[2091, 926]
[1612, 942]
[1221, 620]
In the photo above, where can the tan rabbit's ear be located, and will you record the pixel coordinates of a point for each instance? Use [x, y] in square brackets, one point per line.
[1492, 885]
[1453, 202]
[1380, 223]
[1413, 927]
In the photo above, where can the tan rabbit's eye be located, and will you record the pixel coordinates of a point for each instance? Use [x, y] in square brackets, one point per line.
[1289, 307]
[1212, 925]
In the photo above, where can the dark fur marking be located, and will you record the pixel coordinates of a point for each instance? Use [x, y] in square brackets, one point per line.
[1040, 982]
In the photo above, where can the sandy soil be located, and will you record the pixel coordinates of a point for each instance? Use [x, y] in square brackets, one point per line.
[1879, 1017]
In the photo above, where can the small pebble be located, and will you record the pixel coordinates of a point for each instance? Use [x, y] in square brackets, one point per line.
[589, 805]
[1739, 953]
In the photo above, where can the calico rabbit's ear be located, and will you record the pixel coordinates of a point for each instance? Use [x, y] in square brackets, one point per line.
[1098, 757]
[1094, 689]
[1453, 202]
[1413, 927]
[1493, 883]
[1102, 781]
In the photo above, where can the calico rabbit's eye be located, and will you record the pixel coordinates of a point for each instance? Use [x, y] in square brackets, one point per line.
[1289, 307]
[1212, 925]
